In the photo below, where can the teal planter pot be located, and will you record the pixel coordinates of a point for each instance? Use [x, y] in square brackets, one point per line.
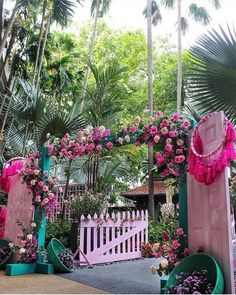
[163, 282]
[20, 269]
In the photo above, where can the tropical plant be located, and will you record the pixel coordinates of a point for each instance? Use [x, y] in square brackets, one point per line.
[212, 84]
[98, 9]
[59, 229]
[198, 13]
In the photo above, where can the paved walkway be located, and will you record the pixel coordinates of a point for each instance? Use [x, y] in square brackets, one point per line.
[42, 284]
[127, 277]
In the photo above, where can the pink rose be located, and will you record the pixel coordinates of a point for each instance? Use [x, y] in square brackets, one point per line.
[179, 151]
[151, 119]
[38, 199]
[159, 114]
[176, 116]
[80, 132]
[40, 183]
[156, 138]
[165, 123]
[133, 129]
[175, 244]
[99, 148]
[146, 112]
[180, 142]
[137, 120]
[168, 140]
[186, 252]
[153, 130]
[44, 201]
[137, 143]
[164, 131]
[173, 133]
[45, 188]
[179, 159]
[109, 145]
[180, 231]
[124, 129]
[185, 124]
[174, 172]
[169, 147]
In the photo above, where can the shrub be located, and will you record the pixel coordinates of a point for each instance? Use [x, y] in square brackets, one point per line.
[155, 229]
[59, 229]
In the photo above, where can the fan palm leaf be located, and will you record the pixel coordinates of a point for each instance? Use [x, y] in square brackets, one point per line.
[212, 83]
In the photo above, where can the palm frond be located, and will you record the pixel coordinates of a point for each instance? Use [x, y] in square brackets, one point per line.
[156, 13]
[199, 14]
[212, 83]
[62, 11]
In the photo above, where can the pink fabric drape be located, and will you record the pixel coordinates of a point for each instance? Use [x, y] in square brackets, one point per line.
[3, 216]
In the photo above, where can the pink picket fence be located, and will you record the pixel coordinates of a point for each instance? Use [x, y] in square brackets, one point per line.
[112, 238]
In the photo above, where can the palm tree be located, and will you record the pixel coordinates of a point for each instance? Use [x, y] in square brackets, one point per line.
[105, 96]
[34, 118]
[98, 9]
[199, 14]
[59, 11]
[212, 82]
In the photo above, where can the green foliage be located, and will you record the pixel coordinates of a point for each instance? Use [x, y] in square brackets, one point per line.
[212, 84]
[88, 203]
[59, 229]
[155, 229]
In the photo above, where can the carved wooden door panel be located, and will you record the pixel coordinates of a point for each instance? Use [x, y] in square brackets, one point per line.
[209, 208]
[19, 206]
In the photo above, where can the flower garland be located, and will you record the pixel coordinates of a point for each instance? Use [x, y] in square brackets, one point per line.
[44, 187]
[207, 167]
[86, 142]
[168, 135]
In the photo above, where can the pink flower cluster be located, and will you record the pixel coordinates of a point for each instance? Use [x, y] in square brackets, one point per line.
[170, 251]
[170, 133]
[44, 187]
[86, 142]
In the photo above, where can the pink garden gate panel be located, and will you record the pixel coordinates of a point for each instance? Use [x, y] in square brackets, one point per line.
[209, 218]
[19, 206]
[115, 238]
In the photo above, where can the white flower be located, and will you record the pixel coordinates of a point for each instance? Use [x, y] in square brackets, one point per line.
[164, 263]
[33, 224]
[147, 111]
[29, 237]
[102, 129]
[22, 250]
[11, 245]
[120, 139]
[36, 172]
[48, 135]
[127, 138]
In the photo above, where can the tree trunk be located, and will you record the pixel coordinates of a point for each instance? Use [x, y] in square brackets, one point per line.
[43, 49]
[179, 79]
[8, 29]
[93, 38]
[40, 42]
[9, 49]
[150, 106]
[66, 187]
[74, 232]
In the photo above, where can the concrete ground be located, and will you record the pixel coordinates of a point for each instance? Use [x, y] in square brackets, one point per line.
[43, 284]
[126, 277]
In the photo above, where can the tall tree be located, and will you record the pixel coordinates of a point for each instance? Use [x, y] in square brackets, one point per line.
[98, 9]
[150, 106]
[199, 14]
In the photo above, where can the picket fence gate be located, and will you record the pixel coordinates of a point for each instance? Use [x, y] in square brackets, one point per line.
[112, 238]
